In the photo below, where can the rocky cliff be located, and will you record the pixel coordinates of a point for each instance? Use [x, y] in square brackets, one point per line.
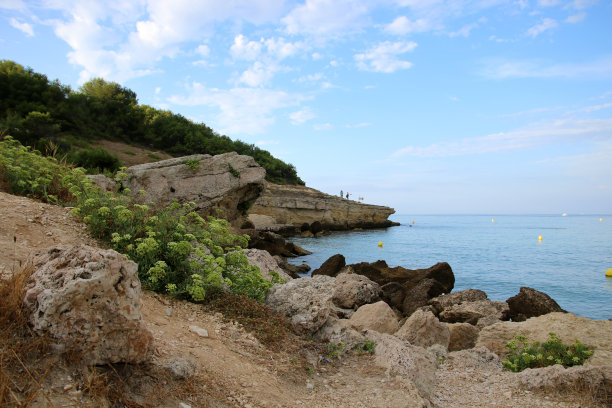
[296, 205]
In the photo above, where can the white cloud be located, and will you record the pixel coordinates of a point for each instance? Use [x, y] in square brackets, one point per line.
[548, 3]
[326, 17]
[311, 78]
[301, 116]
[203, 50]
[157, 90]
[576, 18]
[500, 69]
[463, 31]
[23, 27]
[259, 74]
[245, 49]
[403, 25]
[242, 110]
[316, 56]
[12, 4]
[537, 135]
[545, 25]
[321, 127]
[383, 57]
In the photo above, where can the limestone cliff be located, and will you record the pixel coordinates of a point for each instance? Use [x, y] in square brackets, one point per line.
[296, 205]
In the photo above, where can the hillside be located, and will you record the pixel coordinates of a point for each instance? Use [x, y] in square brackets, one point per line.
[54, 119]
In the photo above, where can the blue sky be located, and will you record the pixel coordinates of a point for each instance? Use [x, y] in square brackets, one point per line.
[430, 106]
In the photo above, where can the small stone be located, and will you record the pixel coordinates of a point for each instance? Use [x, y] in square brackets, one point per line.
[68, 387]
[183, 405]
[49, 234]
[199, 331]
[309, 385]
[168, 311]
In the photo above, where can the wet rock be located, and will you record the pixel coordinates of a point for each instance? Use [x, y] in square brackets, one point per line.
[531, 303]
[332, 266]
[88, 300]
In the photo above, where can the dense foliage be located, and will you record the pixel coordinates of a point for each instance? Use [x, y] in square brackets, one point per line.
[523, 354]
[177, 251]
[36, 111]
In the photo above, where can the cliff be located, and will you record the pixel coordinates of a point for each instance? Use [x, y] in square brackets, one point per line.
[296, 205]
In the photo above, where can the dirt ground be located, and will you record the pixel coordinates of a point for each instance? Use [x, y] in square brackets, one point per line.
[229, 367]
[131, 155]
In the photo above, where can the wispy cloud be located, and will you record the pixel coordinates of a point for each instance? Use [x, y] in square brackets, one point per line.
[555, 132]
[323, 127]
[301, 116]
[545, 25]
[502, 69]
[576, 18]
[358, 125]
[23, 27]
[384, 57]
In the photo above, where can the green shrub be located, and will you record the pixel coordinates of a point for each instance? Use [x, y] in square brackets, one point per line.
[193, 164]
[233, 171]
[153, 156]
[96, 160]
[523, 354]
[367, 347]
[177, 251]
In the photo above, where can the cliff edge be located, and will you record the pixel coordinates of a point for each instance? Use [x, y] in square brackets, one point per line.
[296, 205]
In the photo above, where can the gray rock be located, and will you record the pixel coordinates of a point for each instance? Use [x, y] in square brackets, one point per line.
[419, 295]
[393, 293]
[448, 300]
[531, 303]
[352, 291]
[105, 183]
[332, 266]
[424, 329]
[88, 300]
[266, 263]
[471, 312]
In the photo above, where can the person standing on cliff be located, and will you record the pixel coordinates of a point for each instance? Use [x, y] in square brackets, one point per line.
[341, 194]
[347, 195]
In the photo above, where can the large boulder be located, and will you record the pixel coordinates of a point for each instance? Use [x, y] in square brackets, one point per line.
[424, 329]
[382, 274]
[275, 244]
[462, 336]
[400, 358]
[531, 303]
[266, 263]
[352, 291]
[472, 312]
[228, 182]
[88, 300]
[446, 301]
[305, 301]
[340, 331]
[393, 293]
[420, 295]
[596, 334]
[375, 316]
[332, 266]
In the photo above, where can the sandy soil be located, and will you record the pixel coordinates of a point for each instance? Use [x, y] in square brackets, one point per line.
[231, 368]
[131, 155]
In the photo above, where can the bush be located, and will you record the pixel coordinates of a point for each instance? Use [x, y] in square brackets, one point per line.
[96, 160]
[524, 355]
[177, 251]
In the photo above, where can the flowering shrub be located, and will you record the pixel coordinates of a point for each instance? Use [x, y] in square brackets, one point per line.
[523, 354]
[177, 251]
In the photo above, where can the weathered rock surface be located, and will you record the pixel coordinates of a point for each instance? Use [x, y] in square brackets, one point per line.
[420, 295]
[203, 179]
[340, 331]
[105, 183]
[531, 303]
[478, 359]
[593, 381]
[266, 263]
[462, 336]
[403, 359]
[448, 300]
[393, 293]
[305, 301]
[88, 300]
[332, 266]
[275, 244]
[295, 271]
[352, 291]
[295, 205]
[472, 312]
[593, 333]
[424, 329]
[376, 316]
[382, 274]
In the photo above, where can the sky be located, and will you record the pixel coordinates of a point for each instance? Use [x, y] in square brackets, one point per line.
[427, 106]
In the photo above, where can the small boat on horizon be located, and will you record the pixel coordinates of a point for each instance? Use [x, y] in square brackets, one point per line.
[564, 215]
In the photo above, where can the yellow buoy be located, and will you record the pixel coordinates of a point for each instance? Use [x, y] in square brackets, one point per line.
[492, 219]
[413, 222]
[380, 244]
[540, 238]
[609, 273]
[601, 219]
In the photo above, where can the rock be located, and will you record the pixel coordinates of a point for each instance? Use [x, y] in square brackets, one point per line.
[88, 300]
[471, 312]
[382, 274]
[340, 330]
[306, 302]
[596, 334]
[487, 321]
[105, 183]
[208, 181]
[266, 263]
[594, 382]
[247, 224]
[294, 271]
[531, 303]
[462, 336]
[306, 234]
[181, 368]
[479, 359]
[305, 227]
[296, 205]
[424, 329]
[275, 244]
[376, 316]
[393, 293]
[446, 301]
[199, 331]
[352, 291]
[332, 266]
[316, 227]
[401, 358]
[420, 295]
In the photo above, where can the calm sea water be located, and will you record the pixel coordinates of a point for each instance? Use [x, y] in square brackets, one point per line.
[569, 264]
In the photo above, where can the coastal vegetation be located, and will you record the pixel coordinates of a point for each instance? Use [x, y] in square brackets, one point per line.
[523, 354]
[51, 117]
[177, 251]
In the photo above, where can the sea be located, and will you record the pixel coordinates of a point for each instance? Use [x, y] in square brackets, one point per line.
[495, 253]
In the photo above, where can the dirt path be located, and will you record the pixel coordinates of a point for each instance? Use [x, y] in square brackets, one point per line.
[230, 368]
